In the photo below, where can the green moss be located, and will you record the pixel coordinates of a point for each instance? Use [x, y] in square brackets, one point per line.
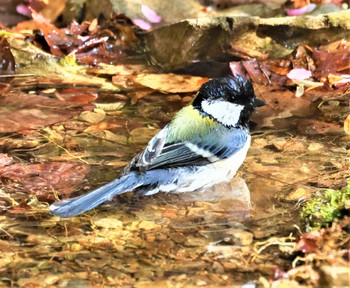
[325, 207]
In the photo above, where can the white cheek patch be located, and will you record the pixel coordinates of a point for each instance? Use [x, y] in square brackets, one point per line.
[225, 112]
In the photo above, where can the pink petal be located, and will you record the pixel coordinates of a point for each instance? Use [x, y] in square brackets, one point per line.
[150, 14]
[299, 74]
[23, 10]
[142, 24]
[302, 10]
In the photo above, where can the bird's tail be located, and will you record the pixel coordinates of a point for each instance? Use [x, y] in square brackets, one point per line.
[74, 206]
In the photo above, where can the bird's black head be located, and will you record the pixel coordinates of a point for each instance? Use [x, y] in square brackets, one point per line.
[229, 100]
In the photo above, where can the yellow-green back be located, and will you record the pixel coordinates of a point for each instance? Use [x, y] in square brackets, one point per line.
[187, 123]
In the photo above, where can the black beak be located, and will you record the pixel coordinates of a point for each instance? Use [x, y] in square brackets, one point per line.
[258, 102]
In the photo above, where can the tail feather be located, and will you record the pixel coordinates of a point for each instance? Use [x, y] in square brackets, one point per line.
[74, 206]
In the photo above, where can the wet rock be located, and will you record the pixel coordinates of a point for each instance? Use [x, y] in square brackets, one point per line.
[170, 11]
[187, 41]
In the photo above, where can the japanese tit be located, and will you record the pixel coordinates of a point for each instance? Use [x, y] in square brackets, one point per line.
[204, 144]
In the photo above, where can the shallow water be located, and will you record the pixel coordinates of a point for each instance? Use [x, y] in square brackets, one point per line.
[213, 238]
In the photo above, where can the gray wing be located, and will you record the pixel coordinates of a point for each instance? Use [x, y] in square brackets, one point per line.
[218, 144]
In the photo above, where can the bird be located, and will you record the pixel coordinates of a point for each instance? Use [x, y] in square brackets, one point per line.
[204, 144]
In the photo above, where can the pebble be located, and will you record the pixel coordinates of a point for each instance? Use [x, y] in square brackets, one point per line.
[108, 223]
[187, 99]
[313, 147]
[148, 225]
[178, 237]
[304, 169]
[282, 144]
[299, 193]
[92, 117]
[260, 143]
[201, 283]
[194, 242]
[40, 239]
[334, 276]
[239, 237]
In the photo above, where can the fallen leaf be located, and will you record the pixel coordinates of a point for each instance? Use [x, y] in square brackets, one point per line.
[314, 127]
[171, 83]
[26, 111]
[337, 81]
[110, 136]
[104, 125]
[119, 69]
[77, 95]
[282, 103]
[44, 178]
[53, 36]
[310, 242]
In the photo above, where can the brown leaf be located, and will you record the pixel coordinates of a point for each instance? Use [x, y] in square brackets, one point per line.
[310, 242]
[314, 127]
[119, 69]
[171, 83]
[25, 111]
[104, 125]
[331, 62]
[77, 95]
[53, 36]
[282, 103]
[45, 178]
